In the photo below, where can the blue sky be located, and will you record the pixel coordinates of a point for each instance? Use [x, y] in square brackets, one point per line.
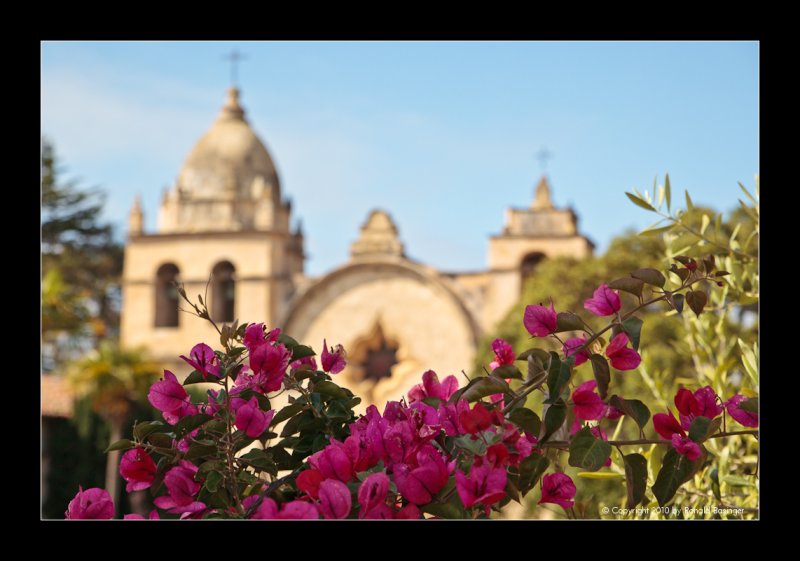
[443, 135]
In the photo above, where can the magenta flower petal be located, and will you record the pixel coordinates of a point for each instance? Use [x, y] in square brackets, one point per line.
[333, 462]
[91, 504]
[167, 394]
[251, 419]
[503, 352]
[203, 359]
[587, 405]
[334, 499]
[254, 336]
[666, 425]
[138, 469]
[621, 357]
[744, 418]
[604, 302]
[686, 447]
[540, 321]
[558, 488]
[333, 360]
[571, 347]
[372, 491]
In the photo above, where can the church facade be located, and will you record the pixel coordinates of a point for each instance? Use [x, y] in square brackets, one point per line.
[224, 231]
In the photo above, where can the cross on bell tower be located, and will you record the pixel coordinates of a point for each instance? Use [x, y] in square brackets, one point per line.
[234, 57]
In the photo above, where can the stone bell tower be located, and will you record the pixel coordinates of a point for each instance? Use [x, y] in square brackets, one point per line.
[223, 231]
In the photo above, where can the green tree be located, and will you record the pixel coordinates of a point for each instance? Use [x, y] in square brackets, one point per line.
[81, 265]
[115, 381]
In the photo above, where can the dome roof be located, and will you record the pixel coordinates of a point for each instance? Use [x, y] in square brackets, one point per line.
[227, 159]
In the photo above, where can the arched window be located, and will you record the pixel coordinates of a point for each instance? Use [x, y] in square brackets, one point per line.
[167, 296]
[528, 266]
[223, 294]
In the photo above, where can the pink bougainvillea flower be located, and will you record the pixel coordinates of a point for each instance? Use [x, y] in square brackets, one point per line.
[485, 484]
[571, 347]
[559, 489]
[167, 395]
[686, 447]
[334, 499]
[251, 419]
[152, 516]
[185, 410]
[745, 418]
[138, 469]
[292, 510]
[503, 352]
[268, 363]
[540, 321]
[667, 425]
[308, 481]
[475, 421]
[419, 485]
[181, 486]
[409, 512]
[449, 414]
[431, 387]
[333, 360]
[379, 512]
[91, 504]
[702, 403]
[587, 404]
[307, 362]
[604, 302]
[203, 359]
[254, 336]
[612, 413]
[372, 491]
[620, 356]
[333, 461]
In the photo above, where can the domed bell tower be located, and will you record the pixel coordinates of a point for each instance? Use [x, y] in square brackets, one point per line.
[223, 232]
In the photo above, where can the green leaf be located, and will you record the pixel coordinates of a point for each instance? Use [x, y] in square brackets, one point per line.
[286, 413]
[628, 284]
[330, 389]
[588, 452]
[633, 328]
[650, 276]
[213, 479]
[287, 341]
[676, 470]
[633, 408]
[188, 424]
[557, 377]
[554, 418]
[199, 450]
[527, 420]
[260, 459]
[449, 510]
[703, 427]
[160, 440]
[530, 470]
[507, 371]
[196, 377]
[635, 478]
[697, 300]
[689, 205]
[475, 447]
[483, 387]
[301, 351]
[668, 192]
[567, 321]
[122, 444]
[749, 405]
[652, 231]
[677, 301]
[640, 202]
[747, 194]
[143, 430]
[602, 373]
[541, 354]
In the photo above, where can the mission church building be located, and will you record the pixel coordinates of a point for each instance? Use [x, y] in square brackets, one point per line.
[225, 218]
